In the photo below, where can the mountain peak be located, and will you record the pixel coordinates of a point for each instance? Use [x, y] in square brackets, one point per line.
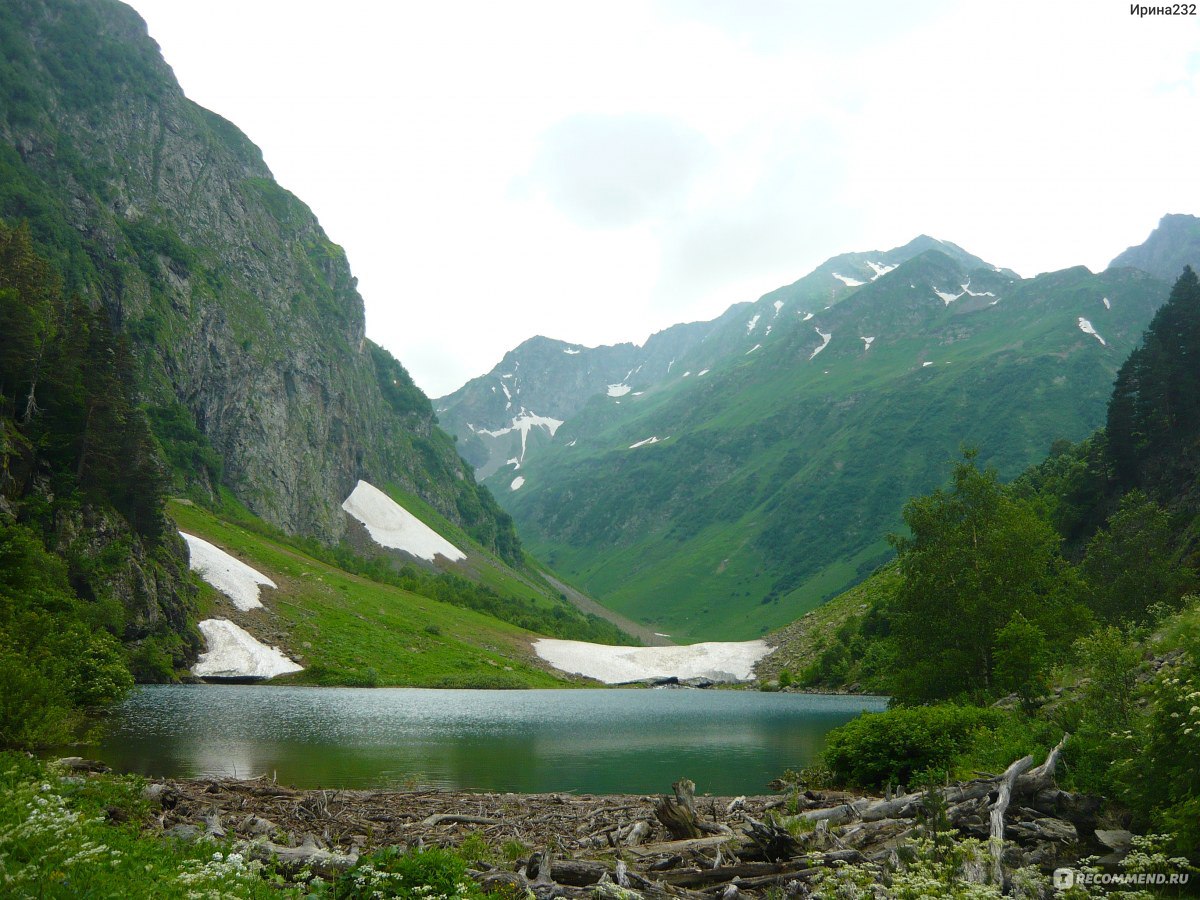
[1175, 243]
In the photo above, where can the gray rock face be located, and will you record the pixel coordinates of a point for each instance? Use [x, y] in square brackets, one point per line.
[1175, 243]
[238, 304]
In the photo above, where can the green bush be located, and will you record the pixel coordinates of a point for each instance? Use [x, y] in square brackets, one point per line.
[432, 874]
[904, 744]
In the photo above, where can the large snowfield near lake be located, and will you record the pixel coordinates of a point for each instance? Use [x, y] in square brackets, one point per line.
[229, 575]
[235, 653]
[391, 525]
[716, 660]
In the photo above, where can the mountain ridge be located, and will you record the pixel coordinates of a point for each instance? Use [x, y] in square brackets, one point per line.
[740, 491]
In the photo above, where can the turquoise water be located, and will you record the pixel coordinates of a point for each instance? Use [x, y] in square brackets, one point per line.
[590, 741]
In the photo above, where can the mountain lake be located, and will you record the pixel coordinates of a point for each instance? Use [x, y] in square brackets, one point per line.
[588, 741]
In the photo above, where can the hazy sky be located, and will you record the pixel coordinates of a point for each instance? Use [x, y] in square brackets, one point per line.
[597, 171]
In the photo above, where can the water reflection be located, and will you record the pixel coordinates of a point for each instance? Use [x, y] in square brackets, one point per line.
[590, 741]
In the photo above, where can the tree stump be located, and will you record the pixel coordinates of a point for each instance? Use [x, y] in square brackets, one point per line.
[678, 815]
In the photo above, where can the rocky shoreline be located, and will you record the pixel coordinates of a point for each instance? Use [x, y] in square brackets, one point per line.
[572, 845]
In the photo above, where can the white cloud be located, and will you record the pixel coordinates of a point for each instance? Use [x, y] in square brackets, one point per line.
[595, 172]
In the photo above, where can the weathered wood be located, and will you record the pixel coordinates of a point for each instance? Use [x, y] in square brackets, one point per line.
[996, 818]
[671, 847]
[307, 856]
[679, 815]
[702, 877]
[774, 842]
[638, 833]
[454, 819]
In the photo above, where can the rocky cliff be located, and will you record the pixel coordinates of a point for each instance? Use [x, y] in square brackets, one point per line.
[239, 307]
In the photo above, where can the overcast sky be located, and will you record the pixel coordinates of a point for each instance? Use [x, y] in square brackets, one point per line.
[597, 171]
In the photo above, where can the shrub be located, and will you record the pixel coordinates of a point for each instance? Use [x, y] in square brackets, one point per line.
[904, 744]
[432, 874]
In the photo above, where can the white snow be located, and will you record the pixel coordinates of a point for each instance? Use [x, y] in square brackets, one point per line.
[752, 324]
[778, 304]
[573, 442]
[638, 393]
[703, 372]
[717, 660]
[1086, 327]
[391, 525]
[671, 363]
[523, 423]
[234, 653]
[825, 339]
[807, 316]
[866, 340]
[966, 288]
[232, 577]
[516, 483]
[685, 374]
[848, 281]
[924, 364]
[769, 327]
[1107, 305]
[570, 351]
[879, 269]
[618, 390]
[510, 374]
[514, 462]
[752, 349]
[649, 440]
[946, 296]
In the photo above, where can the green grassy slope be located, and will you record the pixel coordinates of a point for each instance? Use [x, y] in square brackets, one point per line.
[347, 629]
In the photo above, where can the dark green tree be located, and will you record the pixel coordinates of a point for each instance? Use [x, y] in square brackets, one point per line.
[1131, 564]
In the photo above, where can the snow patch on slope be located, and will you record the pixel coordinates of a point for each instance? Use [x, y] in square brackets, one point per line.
[232, 577]
[825, 339]
[571, 351]
[516, 483]
[867, 341]
[807, 316]
[1105, 301]
[702, 373]
[234, 653]
[1086, 327]
[391, 525]
[966, 288]
[523, 423]
[752, 349]
[649, 440]
[880, 269]
[778, 304]
[752, 324]
[618, 390]
[946, 297]
[716, 660]
[848, 281]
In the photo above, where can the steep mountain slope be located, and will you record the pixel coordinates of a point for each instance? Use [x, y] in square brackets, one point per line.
[508, 415]
[1175, 243]
[745, 489]
[242, 313]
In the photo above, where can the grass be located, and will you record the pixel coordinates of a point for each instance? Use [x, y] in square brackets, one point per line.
[66, 836]
[348, 630]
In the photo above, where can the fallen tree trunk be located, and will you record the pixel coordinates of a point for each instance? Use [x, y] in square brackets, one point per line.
[996, 843]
